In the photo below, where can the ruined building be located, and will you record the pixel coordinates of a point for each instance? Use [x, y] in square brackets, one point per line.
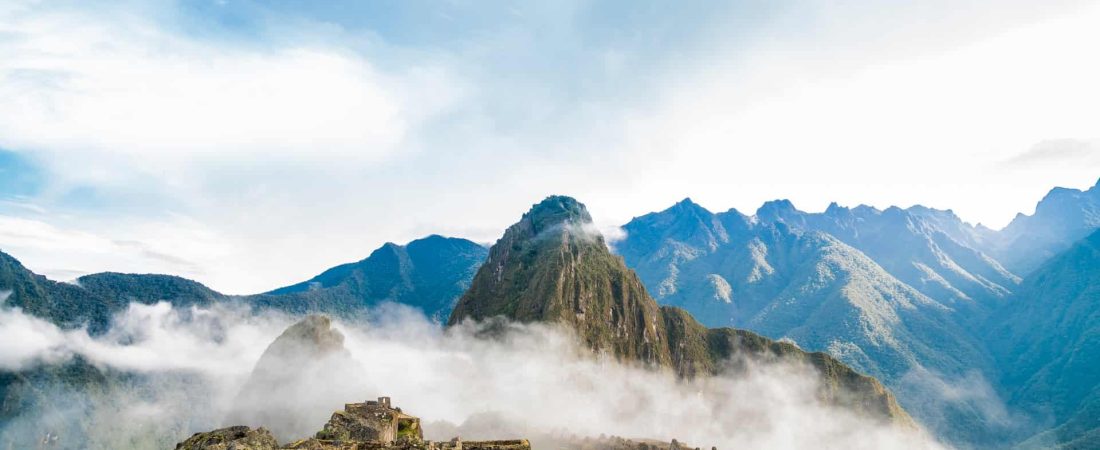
[372, 421]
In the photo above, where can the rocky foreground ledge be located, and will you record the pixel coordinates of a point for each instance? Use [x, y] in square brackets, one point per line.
[373, 425]
[245, 438]
[376, 425]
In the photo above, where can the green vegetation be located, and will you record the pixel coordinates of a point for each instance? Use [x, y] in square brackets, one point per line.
[428, 274]
[1046, 340]
[408, 429]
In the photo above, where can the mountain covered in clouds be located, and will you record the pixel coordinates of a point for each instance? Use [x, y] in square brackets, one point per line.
[933, 306]
[552, 266]
[92, 299]
[310, 368]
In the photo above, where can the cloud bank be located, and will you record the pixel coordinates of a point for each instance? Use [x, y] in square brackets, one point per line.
[179, 371]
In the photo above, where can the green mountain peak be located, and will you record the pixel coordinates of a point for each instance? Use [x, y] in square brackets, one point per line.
[556, 210]
[534, 274]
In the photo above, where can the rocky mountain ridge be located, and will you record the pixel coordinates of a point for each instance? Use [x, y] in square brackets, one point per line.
[1062, 217]
[782, 263]
[551, 266]
[922, 287]
[428, 274]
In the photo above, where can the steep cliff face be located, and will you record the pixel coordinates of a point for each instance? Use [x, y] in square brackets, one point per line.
[552, 266]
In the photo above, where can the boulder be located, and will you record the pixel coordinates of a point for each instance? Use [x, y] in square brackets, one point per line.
[231, 438]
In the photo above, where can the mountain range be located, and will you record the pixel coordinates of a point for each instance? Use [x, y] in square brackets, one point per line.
[553, 267]
[428, 274]
[915, 297]
[776, 273]
[988, 337]
[1062, 217]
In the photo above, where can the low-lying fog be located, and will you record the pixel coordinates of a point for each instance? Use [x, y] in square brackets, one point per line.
[179, 371]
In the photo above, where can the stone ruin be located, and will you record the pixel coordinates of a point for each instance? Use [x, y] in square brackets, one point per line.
[371, 421]
[371, 425]
[378, 425]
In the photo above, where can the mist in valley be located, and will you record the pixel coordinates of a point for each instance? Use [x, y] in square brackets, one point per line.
[170, 372]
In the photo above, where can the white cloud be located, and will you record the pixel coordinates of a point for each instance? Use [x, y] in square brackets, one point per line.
[290, 156]
[177, 245]
[78, 81]
[25, 339]
[533, 382]
[923, 126]
[1058, 151]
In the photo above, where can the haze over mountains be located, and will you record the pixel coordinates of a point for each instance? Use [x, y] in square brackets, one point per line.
[552, 267]
[636, 343]
[986, 337]
[902, 294]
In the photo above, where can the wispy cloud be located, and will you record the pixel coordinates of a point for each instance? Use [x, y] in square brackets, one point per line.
[83, 80]
[1058, 151]
[300, 137]
[180, 249]
[456, 381]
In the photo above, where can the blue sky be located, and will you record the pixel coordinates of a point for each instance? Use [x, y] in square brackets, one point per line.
[252, 144]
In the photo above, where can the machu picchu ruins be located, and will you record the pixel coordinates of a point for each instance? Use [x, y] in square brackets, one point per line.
[378, 425]
[373, 425]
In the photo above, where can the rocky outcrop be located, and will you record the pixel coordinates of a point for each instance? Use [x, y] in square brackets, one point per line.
[371, 421]
[309, 360]
[619, 443]
[231, 438]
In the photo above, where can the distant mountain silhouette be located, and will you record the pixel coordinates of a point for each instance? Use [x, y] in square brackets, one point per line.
[1061, 218]
[428, 274]
[931, 250]
[775, 274]
[93, 299]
